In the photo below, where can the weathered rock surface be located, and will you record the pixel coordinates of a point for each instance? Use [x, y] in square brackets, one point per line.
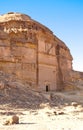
[32, 53]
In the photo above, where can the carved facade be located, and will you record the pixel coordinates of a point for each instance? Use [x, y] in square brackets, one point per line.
[33, 53]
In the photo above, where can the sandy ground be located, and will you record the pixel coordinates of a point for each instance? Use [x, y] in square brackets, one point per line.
[61, 117]
[39, 110]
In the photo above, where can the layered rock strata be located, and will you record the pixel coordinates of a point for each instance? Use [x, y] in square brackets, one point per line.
[31, 52]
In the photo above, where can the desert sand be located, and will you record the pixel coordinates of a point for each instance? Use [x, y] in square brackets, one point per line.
[67, 116]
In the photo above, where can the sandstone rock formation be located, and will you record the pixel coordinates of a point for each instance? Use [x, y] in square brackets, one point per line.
[32, 53]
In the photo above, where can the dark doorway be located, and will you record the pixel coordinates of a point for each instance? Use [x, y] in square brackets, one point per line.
[47, 88]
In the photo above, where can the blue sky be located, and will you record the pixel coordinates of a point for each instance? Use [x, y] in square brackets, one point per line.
[63, 17]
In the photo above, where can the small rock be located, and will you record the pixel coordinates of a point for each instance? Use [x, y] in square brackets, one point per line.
[12, 120]
[55, 112]
[75, 104]
[61, 113]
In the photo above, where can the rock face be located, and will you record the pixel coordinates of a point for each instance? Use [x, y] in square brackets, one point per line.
[31, 52]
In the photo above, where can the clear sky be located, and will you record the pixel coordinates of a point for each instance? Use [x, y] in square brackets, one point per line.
[63, 17]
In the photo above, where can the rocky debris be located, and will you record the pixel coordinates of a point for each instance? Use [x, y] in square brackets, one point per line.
[14, 93]
[43, 105]
[17, 94]
[59, 99]
[61, 113]
[75, 104]
[58, 112]
[8, 113]
[12, 120]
